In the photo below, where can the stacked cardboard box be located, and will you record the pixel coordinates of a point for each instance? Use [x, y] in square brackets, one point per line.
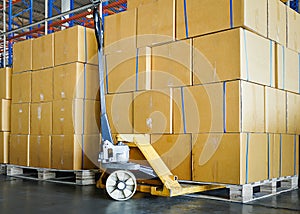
[217, 90]
[5, 108]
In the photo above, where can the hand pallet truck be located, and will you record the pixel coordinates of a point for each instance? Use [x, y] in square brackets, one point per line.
[118, 175]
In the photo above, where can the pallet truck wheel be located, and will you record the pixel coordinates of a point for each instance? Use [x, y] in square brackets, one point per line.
[121, 185]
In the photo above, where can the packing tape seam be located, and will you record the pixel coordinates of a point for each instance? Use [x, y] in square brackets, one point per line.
[224, 107]
[295, 154]
[299, 72]
[247, 157]
[246, 55]
[83, 117]
[283, 67]
[271, 63]
[85, 45]
[280, 156]
[231, 14]
[269, 158]
[183, 110]
[137, 70]
[186, 19]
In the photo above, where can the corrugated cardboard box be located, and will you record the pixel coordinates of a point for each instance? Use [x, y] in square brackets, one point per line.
[20, 118]
[290, 155]
[153, 112]
[274, 155]
[43, 52]
[22, 60]
[76, 44]
[120, 112]
[67, 151]
[230, 158]
[40, 151]
[76, 81]
[233, 54]
[172, 65]
[277, 21]
[293, 30]
[275, 110]
[5, 108]
[120, 31]
[76, 117]
[156, 23]
[293, 113]
[5, 83]
[287, 69]
[4, 147]
[131, 4]
[42, 85]
[203, 17]
[21, 87]
[19, 150]
[41, 118]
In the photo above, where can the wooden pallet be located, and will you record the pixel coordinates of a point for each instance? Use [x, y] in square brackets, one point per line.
[75, 177]
[2, 169]
[253, 191]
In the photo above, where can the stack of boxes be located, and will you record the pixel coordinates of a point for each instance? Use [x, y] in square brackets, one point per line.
[55, 122]
[215, 84]
[5, 107]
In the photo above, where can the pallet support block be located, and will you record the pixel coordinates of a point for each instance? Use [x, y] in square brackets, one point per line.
[46, 175]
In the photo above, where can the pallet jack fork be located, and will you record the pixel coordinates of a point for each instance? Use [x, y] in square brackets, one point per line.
[118, 174]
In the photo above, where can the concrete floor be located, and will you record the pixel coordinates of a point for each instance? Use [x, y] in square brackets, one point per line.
[24, 196]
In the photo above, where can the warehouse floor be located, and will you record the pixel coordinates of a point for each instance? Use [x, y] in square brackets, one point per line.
[24, 196]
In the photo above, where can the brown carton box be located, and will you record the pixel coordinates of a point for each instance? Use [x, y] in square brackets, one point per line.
[172, 65]
[42, 85]
[234, 57]
[120, 31]
[5, 83]
[22, 60]
[131, 4]
[20, 118]
[19, 150]
[76, 44]
[67, 151]
[277, 21]
[21, 87]
[275, 110]
[293, 30]
[76, 117]
[153, 112]
[290, 155]
[274, 155]
[41, 118]
[156, 23]
[230, 158]
[43, 52]
[40, 151]
[4, 147]
[293, 113]
[219, 15]
[5, 115]
[76, 81]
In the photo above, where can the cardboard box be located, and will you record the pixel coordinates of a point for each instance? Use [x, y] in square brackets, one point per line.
[233, 54]
[76, 117]
[293, 30]
[290, 155]
[230, 158]
[275, 110]
[4, 145]
[76, 81]
[5, 108]
[218, 16]
[277, 21]
[131, 4]
[21, 87]
[120, 31]
[19, 150]
[41, 118]
[287, 69]
[40, 151]
[20, 118]
[5, 83]
[42, 85]
[43, 52]
[22, 60]
[172, 65]
[156, 23]
[119, 109]
[67, 151]
[153, 112]
[293, 113]
[274, 155]
[76, 44]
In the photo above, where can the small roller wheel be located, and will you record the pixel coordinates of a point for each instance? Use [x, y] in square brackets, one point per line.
[121, 185]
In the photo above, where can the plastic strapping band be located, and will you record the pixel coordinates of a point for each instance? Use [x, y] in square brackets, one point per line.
[224, 107]
[85, 45]
[269, 158]
[186, 19]
[247, 158]
[183, 110]
[246, 55]
[295, 155]
[271, 63]
[137, 70]
[231, 14]
[280, 156]
[106, 74]
[283, 67]
[83, 119]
